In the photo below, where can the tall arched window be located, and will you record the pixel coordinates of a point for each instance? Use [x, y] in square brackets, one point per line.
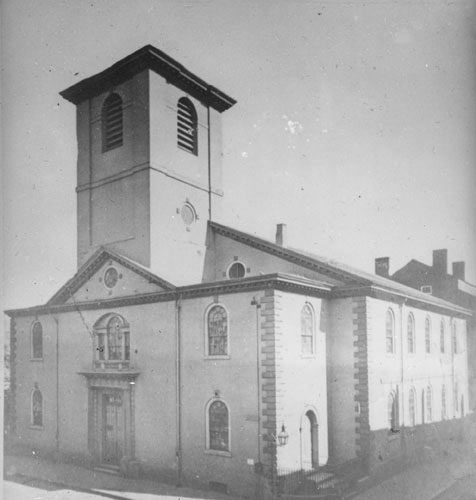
[412, 407]
[411, 333]
[390, 332]
[187, 126]
[307, 330]
[442, 336]
[36, 408]
[112, 122]
[427, 335]
[393, 411]
[443, 402]
[37, 340]
[454, 338]
[217, 331]
[429, 412]
[112, 339]
[455, 398]
[218, 426]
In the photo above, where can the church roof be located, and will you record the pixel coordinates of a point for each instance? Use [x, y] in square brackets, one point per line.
[353, 279]
[149, 57]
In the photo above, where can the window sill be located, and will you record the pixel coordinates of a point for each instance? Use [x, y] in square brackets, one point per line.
[218, 356]
[36, 427]
[36, 359]
[217, 453]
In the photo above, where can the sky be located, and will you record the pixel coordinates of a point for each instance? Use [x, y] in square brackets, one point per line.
[354, 124]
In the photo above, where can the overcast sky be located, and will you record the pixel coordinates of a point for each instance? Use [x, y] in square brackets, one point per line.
[355, 122]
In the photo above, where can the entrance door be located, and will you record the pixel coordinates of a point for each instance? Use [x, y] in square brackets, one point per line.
[112, 428]
[309, 441]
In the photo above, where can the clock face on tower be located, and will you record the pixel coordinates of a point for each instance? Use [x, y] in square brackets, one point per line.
[188, 214]
[110, 277]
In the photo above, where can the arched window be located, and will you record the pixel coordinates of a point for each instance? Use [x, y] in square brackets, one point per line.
[217, 331]
[412, 408]
[393, 411]
[36, 408]
[442, 336]
[455, 397]
[423, 416]
[187, 126]
[428, 404]
[443, 402]
[37, 340]
[427, 335]
[390, 332]
[112, 122]
[218, 426]
[112, 339]
[454, 338]
[411, 334]
[307, 330]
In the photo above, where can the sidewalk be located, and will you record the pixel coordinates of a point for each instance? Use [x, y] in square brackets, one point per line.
[424, 481]
[19, 468]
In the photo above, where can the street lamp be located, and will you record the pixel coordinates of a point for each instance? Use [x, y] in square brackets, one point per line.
[282, 438]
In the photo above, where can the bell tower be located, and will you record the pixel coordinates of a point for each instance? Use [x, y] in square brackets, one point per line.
[149, 173]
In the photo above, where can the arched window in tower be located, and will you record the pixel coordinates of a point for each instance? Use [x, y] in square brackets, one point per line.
[37, 340]
[307, 330]
[390, 332]
[36, 408]
[427, 335]
[112, 339]
[442, 336]
[218, 426]
[112, 122]
[187, 126]
[411, 334]
[217, 331]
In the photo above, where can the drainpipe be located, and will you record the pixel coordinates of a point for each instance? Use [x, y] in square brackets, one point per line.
[57, 435]
[401, 362]
[209, 168]
[178, 393]
[255, 303]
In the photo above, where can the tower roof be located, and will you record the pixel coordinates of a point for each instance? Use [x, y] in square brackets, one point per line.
[149, 57]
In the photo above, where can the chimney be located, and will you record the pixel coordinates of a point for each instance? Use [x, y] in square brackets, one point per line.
[382, 266]
[458, 270]
[440, 261]
[281, 234]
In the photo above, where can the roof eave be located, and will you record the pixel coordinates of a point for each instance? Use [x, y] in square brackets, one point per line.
[148, 57]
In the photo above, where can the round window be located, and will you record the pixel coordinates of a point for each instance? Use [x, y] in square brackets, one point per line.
[110, 277]
[188, 214]
[236, 270]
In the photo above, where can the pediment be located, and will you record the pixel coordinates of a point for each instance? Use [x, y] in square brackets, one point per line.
[109, 275]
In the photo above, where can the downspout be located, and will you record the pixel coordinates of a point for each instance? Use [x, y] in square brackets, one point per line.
[255, 303]
[57, 434]
[401, 363]
[178, 392]
[209, 168]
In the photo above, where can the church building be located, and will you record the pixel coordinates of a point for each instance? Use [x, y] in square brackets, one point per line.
[189, 351]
